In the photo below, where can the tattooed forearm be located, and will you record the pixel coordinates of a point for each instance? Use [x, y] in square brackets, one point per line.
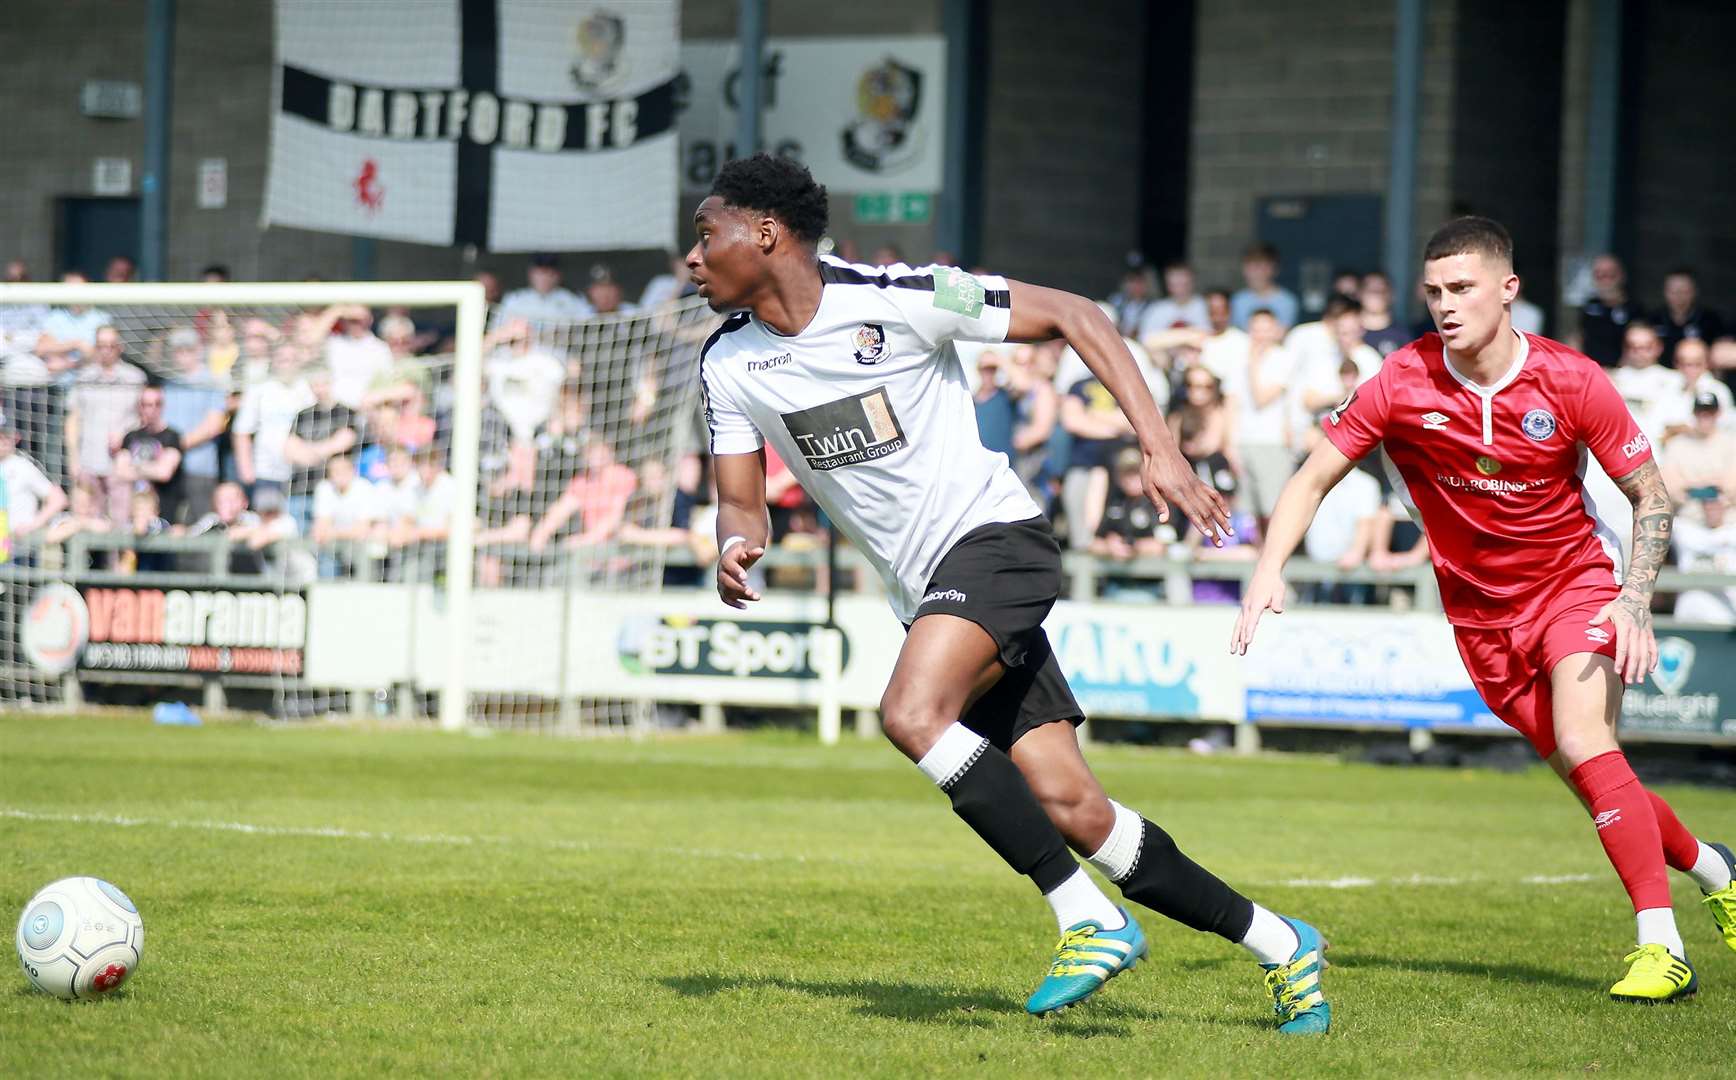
[1653, 521]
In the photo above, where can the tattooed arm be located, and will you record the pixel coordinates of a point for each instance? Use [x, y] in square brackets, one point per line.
[1636, 651]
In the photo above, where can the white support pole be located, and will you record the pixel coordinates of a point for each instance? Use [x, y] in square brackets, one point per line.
[830, 669]
[461, 541]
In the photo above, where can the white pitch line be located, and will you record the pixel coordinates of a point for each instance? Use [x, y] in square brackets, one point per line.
[333, 832]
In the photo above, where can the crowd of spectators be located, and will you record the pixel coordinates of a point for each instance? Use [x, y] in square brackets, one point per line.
[331, 426]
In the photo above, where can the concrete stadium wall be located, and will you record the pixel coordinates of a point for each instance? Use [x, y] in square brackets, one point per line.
[1296, 99]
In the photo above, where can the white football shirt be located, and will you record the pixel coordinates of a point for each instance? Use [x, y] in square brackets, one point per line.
[870, 408]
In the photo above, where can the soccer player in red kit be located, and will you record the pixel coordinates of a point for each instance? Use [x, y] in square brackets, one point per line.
[1487, 430]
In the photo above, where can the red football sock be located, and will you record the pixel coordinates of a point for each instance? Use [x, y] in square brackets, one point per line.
[1627, 826]
[1681, 849]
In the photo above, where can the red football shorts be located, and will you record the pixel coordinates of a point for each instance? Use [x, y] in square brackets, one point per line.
[1510, 666]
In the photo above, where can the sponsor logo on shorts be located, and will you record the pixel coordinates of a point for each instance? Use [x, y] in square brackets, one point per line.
[1538, 425]
[1597, 634]
[1608, 817]
[1636, 446]
[1434, 421]
[945, 594]
[766, 365]
[848, 431]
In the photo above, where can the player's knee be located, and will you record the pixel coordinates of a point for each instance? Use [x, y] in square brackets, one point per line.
[1577, 747]
[911, 724]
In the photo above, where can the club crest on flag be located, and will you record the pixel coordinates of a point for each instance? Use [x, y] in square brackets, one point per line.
[601, 36]
[884, 137]
[370, 196]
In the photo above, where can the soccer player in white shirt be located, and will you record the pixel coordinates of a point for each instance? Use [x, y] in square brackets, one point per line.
[849, 374]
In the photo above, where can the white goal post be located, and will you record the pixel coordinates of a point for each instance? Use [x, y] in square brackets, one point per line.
[465, 298]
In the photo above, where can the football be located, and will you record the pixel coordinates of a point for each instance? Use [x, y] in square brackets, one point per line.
[80, 937]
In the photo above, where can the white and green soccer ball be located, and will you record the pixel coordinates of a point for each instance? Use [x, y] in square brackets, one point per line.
[80, 938]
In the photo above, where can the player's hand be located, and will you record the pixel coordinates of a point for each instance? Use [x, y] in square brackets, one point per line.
[732, 568]
[1265, 592]
[1170, 479]
[1636, 650]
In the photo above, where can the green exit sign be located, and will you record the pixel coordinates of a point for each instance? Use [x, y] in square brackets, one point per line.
[909, 208]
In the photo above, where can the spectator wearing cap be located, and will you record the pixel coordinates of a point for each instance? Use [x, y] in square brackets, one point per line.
[544, 300]
[604, 293]
[101, 408]
[1129, 526]
[1604, 318]
[1261, 291]
[1682, 318]
[149, 458]
[29, 500]
[1701, 459]
[1694, 370]
[69, 333]
[196, 406]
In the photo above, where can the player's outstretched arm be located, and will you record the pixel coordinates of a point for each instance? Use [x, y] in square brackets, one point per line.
[1636, 650]
[1297, 505]
[1040, 314]
[743, 526]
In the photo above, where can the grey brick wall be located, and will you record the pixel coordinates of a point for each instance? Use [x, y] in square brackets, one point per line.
[1062, 144]
[1297, 99]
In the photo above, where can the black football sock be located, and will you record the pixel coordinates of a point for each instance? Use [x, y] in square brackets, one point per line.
[990, 794]
[1173, 885]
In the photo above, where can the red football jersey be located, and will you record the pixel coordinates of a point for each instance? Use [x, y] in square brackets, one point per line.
[1495, 474]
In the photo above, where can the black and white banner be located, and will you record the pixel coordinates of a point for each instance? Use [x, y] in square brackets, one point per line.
[514, 125]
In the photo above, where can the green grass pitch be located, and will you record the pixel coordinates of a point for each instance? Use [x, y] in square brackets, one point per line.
[341, 902]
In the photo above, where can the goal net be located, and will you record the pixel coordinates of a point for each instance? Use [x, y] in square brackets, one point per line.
[306, 499]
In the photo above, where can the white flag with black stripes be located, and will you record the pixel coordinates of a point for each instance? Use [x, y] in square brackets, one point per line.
[514, 125]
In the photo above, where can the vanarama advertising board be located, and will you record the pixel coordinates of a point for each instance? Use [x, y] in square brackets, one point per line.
[122, 628]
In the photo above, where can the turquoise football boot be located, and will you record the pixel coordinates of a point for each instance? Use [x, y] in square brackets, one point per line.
[1087, 957]
[1297, 1000]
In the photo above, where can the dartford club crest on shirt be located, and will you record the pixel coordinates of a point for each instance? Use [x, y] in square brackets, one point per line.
[884, 137]
[870, 343]
[600, 40]
[1538, 425]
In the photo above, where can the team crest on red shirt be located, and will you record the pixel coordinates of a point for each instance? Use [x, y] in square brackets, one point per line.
[1538, 425]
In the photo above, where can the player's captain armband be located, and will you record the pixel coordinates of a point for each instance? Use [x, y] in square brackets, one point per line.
[955, 290]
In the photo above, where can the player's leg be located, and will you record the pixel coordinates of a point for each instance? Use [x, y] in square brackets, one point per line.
[947, 663]
[1148, 867]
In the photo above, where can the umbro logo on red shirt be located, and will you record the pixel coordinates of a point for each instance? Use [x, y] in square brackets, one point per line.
[1434, 421]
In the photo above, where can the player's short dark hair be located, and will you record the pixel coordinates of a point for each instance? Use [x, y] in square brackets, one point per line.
[776, 186]
[1471, 235]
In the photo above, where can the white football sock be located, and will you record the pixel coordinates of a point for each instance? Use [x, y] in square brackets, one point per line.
[1710, 872]
[955, 751]
[1657, 926]
[1078, 898]
[1120, 852]
[1270, 938]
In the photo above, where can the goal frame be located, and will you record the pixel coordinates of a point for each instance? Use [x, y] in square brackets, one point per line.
[466, 297]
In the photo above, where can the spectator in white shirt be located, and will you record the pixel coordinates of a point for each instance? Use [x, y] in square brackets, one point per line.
[436, 496]
[356, 356]
[101, 408]
[1694, 370]
[1322, 350]
[345, 508]
[1700, 461]
[28, 499]
[1260, 390]
[266, 417]
[1225, 348]
[1180, 306]
[1646, 386]
[401, 491]
[522, 377]
[545, 301]
[1707, 547]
